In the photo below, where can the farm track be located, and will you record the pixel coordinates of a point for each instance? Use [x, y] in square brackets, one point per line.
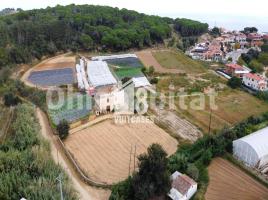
[85, 192]
[229, 182]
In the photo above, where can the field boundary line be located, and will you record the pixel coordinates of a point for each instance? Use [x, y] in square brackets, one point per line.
[91, 123]
[84, 177]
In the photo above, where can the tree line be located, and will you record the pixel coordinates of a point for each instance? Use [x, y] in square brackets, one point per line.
[32, 34]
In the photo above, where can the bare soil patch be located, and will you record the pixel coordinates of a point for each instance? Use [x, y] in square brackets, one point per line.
[229, 182]
[148, 60]
[104, 153]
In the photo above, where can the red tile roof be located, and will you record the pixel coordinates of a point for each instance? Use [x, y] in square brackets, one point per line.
[235, 66]
[183, 183]
[254, 76]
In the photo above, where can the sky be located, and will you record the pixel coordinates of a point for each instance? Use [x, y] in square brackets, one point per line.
[232, 14]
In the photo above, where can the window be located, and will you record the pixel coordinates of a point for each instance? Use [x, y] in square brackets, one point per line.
[108, 100]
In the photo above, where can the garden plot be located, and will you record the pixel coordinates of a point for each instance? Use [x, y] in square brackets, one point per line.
[177, 125]
[105, 151]
[128, 72]
[55, 77]
[73, 108]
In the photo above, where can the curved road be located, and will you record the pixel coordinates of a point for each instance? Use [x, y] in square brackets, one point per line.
[60, 158]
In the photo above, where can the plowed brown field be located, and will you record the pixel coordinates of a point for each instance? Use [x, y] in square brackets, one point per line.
[104, 152]
[229, 182]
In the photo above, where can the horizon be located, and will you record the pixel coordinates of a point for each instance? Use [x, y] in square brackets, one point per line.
[221, 16]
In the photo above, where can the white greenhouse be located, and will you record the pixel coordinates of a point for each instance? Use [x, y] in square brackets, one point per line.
[253, 149]
[99, 74]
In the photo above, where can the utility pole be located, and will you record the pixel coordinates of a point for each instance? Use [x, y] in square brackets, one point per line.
[129, 161]
[135, 157]
[60, 182]
[209, 121]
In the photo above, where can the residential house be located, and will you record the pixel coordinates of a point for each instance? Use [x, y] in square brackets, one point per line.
[236, 70]
[183, 187]
[255, 82]
[255, 39]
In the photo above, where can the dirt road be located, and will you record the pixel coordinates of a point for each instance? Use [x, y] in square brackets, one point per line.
[85, 192]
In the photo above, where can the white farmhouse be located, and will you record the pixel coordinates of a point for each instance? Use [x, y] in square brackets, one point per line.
[183, 187]
[254, 81]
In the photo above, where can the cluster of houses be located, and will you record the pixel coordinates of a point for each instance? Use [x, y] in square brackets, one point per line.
[217, 49]
[254, 81]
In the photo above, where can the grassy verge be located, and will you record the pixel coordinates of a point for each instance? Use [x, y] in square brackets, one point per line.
[178, 60]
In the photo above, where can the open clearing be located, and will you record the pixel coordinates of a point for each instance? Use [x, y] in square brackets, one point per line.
[233, 107]
[229, 182]
[148, 60]
[58, 62]
[177, 60]
[103, 150]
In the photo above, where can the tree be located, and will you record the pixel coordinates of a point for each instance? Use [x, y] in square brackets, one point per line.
[234, 82]
[152, 180]
[151, 70]
[10, 99]
[248, 30]
[256, 66]
[63, 129]
[192, 171]
[215, 32]
[86, 41]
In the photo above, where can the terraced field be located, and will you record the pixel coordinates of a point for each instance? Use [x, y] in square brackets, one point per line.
[106, 150]
[229, 182]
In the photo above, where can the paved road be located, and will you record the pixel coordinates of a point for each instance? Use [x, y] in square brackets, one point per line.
[235, 55]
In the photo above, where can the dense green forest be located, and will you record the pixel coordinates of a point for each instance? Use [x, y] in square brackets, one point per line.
[32, 34]
[27, 169]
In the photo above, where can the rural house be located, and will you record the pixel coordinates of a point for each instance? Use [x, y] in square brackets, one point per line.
[236, 70]
[183, 187]
[255, 82]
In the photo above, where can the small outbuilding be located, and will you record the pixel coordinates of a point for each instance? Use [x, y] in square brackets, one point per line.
[183, 187]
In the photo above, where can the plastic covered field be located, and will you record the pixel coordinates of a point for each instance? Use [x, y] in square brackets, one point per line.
[52, 77]
[72, 109]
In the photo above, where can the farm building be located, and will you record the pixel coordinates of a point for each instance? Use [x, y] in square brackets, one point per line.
[183, 187]
[140, 82]
[99, 74]
[253, 149]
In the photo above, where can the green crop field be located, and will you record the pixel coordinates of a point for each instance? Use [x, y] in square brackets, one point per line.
[177, 60]
[128, 72]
